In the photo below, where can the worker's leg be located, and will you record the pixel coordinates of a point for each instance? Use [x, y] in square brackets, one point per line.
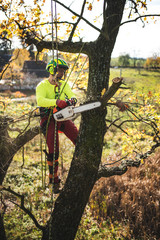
[50, 143]
[69, 129]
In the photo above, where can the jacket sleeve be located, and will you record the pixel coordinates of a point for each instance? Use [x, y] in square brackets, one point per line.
[42, 101]
[69, 92]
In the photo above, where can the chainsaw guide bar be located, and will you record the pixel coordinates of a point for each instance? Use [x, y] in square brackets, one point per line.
[70, 112]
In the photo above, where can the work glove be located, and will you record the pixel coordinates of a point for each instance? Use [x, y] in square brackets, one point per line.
[72, 102]
[61, 103]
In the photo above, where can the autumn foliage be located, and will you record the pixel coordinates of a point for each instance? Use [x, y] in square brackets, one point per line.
[152, 63]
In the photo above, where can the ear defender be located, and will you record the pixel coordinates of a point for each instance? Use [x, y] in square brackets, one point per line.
[53, 69]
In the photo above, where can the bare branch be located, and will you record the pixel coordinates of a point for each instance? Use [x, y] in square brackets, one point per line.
[14, 129]
[123, 166]
[117, 170]
[30, 115]
[75, 25]
[148, 153]
[134, 20]
[76, 14]
[23, 207]
[149, 122]
[134, 7]
[117, 126]
[22, 139]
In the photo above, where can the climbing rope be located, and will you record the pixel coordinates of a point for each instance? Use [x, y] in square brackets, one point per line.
[52, 31]
[72, 69]
[79, 72]
[41, 147]
[55, 130]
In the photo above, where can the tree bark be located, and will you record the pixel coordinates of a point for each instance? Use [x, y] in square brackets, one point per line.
[2, 229]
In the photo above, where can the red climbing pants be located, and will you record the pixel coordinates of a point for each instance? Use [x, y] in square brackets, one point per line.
[69, 129]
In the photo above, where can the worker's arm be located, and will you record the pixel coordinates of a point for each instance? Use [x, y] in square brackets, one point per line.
[42, 100]
[71, 96]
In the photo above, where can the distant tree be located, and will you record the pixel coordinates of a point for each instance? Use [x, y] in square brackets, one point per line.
[23, 55]
[123, 60]
[5, 49]
[152, 63]
[12, 70]
[31, 52]
[5, 43]
[43, 56]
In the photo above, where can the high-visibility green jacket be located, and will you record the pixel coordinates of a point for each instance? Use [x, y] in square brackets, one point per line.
[47, 94]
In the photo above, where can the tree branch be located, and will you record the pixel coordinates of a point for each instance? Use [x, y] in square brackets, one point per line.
[14, 129]
[117, 126]
[134, 20]
[123, 167]
[23, 207]
[76, 14]
[75, 25]
[117, 170]
[149, 122]
[73, 47]
[111, 91]
[22, 139]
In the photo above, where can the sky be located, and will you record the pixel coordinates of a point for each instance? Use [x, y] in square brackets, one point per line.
[133, 38]
[140, 41]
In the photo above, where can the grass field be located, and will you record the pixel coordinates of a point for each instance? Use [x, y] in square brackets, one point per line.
[135, 79]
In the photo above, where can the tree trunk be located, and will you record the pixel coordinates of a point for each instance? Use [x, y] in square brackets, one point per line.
[2, 229]
[82, 176]
[70, 204]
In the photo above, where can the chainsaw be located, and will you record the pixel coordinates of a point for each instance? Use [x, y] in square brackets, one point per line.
[71, 112]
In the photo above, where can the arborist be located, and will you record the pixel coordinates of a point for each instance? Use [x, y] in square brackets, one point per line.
[52, 94]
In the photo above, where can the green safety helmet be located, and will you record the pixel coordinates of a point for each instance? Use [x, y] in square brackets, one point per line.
[61, 64]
